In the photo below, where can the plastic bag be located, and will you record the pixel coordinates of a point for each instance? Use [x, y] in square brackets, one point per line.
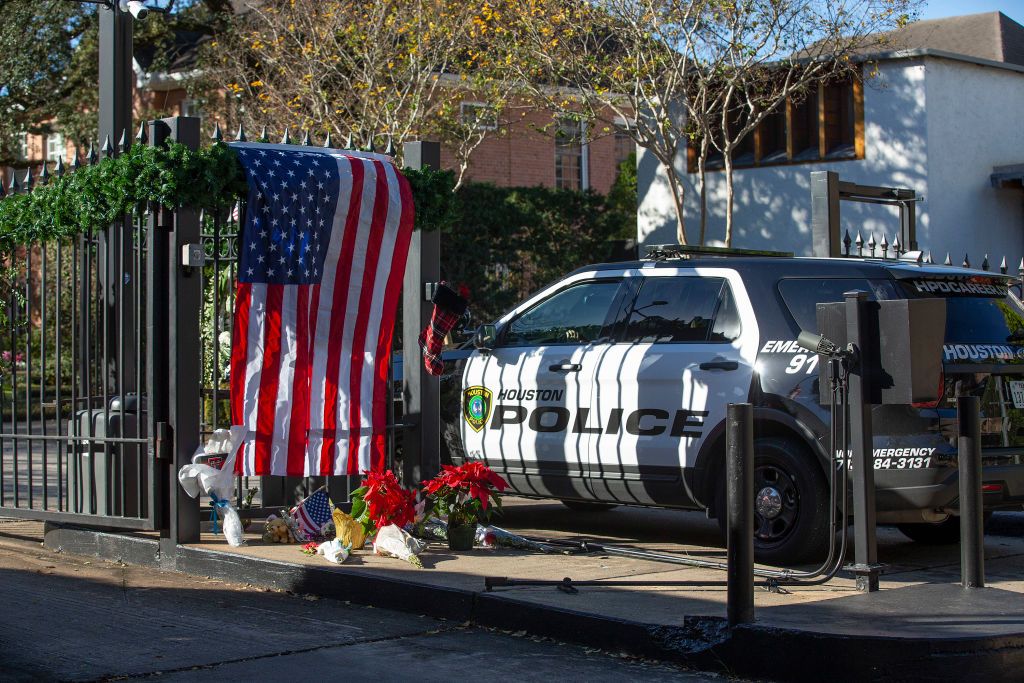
[233, 531]
[333, 551]
[197, 479]
[217, 483]
[394, 542]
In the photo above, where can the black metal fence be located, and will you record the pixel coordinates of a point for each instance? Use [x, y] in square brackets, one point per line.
[74, 442]
[882, 248]
[79, 436]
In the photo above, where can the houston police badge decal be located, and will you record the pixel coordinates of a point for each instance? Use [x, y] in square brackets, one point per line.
[476, 407]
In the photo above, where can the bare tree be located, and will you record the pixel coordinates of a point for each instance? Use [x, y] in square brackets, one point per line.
[757, 54]
[622, 63]
[697, 72]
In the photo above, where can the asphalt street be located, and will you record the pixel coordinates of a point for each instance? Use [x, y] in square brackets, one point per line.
[65, 617]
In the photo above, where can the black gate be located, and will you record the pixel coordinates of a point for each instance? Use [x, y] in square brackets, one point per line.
[75, 439]
[114, 354]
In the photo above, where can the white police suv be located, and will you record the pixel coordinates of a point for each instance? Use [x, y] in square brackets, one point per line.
[610, 388]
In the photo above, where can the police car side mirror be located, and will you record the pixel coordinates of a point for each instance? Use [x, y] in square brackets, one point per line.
[485, 337]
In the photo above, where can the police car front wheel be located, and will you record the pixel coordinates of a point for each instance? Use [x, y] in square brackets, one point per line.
[790, 503]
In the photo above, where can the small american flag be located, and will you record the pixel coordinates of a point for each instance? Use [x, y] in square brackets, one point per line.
[312, 513]
[323, 249]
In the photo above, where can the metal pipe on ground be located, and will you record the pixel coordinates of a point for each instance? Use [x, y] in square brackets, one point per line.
[972, 538]
[739, 467]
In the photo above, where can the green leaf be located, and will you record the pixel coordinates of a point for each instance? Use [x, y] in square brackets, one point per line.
[358, 508]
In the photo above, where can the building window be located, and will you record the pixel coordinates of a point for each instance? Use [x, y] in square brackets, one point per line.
[191, 108]
[478, 116]
[55, 148]
[22, 146]
[803, 127]
[771, 138]
[839, 119]
[623, 144]
[570, 155]
[826, 123]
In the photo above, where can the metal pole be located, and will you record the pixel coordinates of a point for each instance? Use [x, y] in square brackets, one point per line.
[115, 103]
[115, 120]
[865, 545]
[739, 470]
[157, 269]
[972, 534]
[421, 444]
[825, 213]
[184, 304]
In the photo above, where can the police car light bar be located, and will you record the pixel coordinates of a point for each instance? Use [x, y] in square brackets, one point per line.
[658, 252]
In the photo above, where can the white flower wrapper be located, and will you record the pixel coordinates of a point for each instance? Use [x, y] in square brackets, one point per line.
[394, 542]
[333, 551]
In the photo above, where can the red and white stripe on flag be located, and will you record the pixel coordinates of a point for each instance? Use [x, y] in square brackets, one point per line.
[322, 256]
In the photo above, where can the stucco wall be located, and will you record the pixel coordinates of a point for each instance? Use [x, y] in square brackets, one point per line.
[974, 123]
[772, 207]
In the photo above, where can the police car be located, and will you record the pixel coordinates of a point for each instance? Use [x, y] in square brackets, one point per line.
[610, 388]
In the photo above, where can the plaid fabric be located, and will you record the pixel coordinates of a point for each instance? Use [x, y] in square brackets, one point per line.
[432, 338]
[448, 308]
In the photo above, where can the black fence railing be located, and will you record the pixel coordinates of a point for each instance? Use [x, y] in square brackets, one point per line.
[77, 442]
[73, 433]
[882, 248]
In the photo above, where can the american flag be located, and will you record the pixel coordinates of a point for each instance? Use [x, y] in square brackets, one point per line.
[323, 252]
[312, 513]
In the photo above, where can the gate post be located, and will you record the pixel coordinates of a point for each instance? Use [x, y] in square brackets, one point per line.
[183, 286]
[825, 213]
[421, 391]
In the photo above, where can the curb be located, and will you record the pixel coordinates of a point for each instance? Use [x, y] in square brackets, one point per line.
[756, 650]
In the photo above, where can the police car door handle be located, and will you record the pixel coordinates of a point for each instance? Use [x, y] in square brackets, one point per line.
[720, 365]
[565, 367]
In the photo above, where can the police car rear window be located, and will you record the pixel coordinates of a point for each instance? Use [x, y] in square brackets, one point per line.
[993, 321]
[802, 295]
[682, 309]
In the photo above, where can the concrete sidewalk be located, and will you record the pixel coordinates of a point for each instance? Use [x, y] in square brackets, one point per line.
[921, 621]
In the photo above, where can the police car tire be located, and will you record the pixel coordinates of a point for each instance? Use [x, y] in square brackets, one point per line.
[807, 536]
[587, 506]
[946, 532]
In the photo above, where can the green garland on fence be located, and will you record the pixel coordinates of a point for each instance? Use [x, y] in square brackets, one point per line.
[92, 197]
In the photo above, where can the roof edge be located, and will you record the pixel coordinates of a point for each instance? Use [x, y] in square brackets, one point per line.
[894, 55]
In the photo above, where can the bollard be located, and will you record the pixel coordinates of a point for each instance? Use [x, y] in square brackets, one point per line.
[865, 544]
[972, 533]
[739, 478]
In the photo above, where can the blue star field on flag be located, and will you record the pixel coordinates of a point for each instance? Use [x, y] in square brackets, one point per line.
[293, 197]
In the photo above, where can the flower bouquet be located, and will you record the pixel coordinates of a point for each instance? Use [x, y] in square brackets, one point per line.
[384, 508]
[465, 494]
[380, 501]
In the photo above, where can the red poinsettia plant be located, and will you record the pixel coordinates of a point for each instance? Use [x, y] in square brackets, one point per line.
[466, 494]
[381, 500]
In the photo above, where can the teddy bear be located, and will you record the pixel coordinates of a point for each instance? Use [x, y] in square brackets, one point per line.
[277, 531]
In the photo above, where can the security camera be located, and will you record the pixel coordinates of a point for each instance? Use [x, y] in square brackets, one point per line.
[137, 9]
